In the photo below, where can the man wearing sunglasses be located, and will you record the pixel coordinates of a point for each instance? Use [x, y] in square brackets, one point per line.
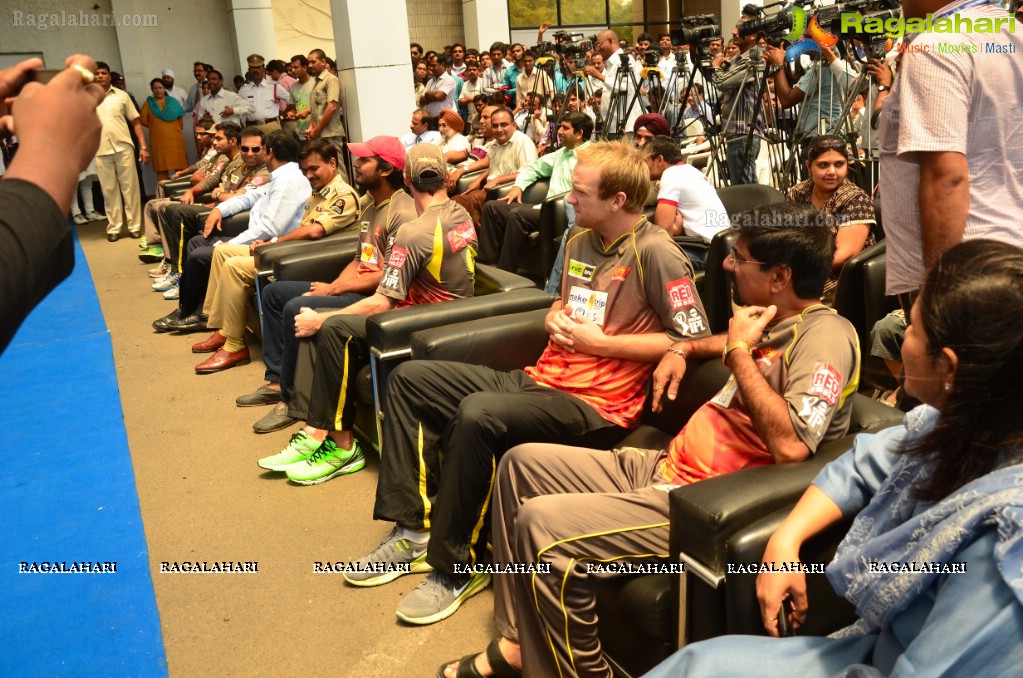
[180, 223]
[275, 208]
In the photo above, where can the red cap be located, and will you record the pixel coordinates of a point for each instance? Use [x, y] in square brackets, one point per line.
[388, 149]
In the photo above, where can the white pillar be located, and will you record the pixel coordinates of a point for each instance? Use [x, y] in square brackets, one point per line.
[371, 41]
[486, 22]
[253, 22]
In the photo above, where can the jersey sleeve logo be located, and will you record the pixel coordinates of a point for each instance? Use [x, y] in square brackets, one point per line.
[620, 273]
[826, 382]
[461, 236]
[398, 256]
[680, 293]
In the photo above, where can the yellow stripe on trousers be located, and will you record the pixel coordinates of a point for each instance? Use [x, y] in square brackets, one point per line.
[483, 513]
[344, 388]
[422, 482]
[564, 610]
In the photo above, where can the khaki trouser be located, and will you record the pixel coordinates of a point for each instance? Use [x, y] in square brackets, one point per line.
[120, 186]
[232, 280]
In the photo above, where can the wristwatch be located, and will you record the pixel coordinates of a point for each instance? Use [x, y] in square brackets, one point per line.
[883, 88]
[273, 240]
[744, 345]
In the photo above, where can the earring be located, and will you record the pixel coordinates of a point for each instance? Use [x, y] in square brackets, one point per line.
[948, 386]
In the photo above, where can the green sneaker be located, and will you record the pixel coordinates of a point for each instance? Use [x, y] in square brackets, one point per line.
[299, 448]
[326, 462]
[151, 255]
[142, 243]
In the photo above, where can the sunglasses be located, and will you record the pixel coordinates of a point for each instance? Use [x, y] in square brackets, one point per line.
[251, 149]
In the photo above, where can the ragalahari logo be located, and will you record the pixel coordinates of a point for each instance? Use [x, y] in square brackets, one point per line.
[818, 37]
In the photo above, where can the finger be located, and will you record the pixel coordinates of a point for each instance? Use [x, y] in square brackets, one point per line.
[800, 606]
[672, 388]
[14, 78]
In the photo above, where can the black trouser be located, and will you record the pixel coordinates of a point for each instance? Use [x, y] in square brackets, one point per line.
[445, 427]
[330, 363]
[195, 277]
[179, 224]
[504, 230]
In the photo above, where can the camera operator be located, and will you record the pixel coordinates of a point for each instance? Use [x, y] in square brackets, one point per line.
[816, 91]
[607, 47]
[845, 74]
[737, 80]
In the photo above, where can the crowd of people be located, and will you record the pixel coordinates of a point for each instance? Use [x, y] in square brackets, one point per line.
[528, 461]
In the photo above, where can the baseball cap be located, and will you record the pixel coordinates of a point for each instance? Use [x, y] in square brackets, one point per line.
[168, 72]
[426, 163]
[386, 148]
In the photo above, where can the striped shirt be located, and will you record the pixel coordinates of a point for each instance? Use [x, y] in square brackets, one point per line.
[963, 102]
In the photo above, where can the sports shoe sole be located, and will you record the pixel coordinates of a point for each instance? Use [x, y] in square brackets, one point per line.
[474, 588]
[350, 467]
[417, 566]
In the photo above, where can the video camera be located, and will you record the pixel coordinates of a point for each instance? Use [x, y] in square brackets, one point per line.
[697, 31]
[779, 24]
[572, 46]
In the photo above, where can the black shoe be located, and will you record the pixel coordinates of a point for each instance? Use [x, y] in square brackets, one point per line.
[135, 236]
[163, 324]
[192, 323]
[112, 237]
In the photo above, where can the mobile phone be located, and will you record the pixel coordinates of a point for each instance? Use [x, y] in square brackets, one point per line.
[785, 629]
[44, 75]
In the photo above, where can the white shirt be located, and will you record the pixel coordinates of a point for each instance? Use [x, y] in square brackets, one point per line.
[625, 93]
[179, 94]
[687, 189]
[427, 137]
[265, 99]
[276, 207]
[444, 83]
[215, 103]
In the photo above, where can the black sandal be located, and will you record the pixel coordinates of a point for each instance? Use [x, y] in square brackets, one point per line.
[498, 664]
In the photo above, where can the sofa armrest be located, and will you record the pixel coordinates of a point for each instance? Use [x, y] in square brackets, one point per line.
[506, 342]
[490, 279]
[320, 264]
[391, 331]
[267, 255]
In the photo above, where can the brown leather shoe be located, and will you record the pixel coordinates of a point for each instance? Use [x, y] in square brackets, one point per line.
[221, 360]
[210, 343]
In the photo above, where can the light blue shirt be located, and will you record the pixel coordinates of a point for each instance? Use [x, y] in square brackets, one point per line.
[276, 207]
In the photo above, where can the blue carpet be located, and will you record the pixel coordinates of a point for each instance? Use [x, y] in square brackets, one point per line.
[67, 495]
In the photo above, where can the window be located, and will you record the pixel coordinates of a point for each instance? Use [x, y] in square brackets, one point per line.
[630, 15]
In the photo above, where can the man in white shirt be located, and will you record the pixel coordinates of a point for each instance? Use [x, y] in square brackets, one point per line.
[440, 90]
[617, 96]
[509, 152]
[421, 132]
[264, 95]
[457, 59]
[223, 105]
[686, 203]
[172, 90]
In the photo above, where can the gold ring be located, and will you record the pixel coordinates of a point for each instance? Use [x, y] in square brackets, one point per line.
[88, 77]
[772, 619]
[658, 388]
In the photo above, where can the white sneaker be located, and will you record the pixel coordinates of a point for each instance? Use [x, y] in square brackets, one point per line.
[160, 271]
[168, 281]
[81, 219]
[172, 293]
[95, 216]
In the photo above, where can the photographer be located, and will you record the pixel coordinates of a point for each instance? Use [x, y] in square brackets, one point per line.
[738, 80]
[816, 91]
[619, 100]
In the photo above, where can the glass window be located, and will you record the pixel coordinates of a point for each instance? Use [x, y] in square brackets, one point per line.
[626, 11]
[582, 12]
[532, 12]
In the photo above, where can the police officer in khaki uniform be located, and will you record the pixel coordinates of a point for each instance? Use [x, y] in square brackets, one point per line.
[325, 103]
[332, 207]
[265, 96]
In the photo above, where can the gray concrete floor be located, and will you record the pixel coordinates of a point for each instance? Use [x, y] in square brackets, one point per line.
[203, 498]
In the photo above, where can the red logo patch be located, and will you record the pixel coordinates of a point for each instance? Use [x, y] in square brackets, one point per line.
[398, 257]
[826, 382]
[680, 293]
[459, 237]
[620, 273]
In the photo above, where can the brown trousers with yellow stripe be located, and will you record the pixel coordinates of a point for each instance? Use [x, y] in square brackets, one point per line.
[573, 508]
